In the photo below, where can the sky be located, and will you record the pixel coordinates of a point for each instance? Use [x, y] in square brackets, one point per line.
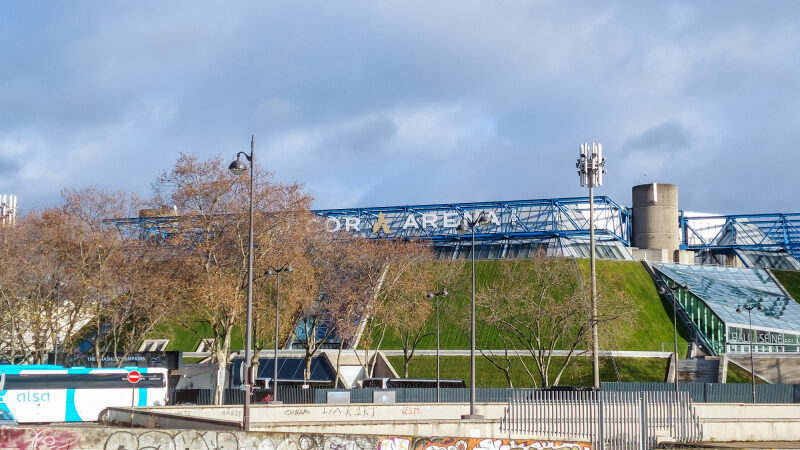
[407, 102]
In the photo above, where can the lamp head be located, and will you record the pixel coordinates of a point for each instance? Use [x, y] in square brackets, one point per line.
[430, 294]
[444, 292]
[462, 227]
[483, 219]
[238, 167]
[738, 309]
[760, 308]
[288, 268]
[269, 272]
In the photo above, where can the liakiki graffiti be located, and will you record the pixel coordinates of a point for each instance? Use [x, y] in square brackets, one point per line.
[404, 443]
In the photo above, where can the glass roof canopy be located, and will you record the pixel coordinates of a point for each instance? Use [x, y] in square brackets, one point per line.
[723, 290]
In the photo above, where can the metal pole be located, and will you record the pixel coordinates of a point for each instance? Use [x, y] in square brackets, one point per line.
[249, 337]
[472, 333]
[675, 337]
[595, 343]
[55, 330]
[437, 350]
[275, 362]
[752, 341]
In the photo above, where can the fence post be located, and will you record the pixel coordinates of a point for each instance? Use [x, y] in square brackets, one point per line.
[644, 422]
[600, 423]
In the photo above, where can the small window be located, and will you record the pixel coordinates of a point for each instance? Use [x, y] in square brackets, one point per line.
[154, 345]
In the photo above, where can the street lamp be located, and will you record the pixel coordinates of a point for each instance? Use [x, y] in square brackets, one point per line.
[463, 227]
[238, 167]
[442, 293]
[277, 272]
[749, 306]
[590, 169]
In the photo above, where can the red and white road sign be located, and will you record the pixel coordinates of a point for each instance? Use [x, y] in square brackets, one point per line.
[134, 376]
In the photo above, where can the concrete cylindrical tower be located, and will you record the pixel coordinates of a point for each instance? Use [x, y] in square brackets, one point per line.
[655, 216]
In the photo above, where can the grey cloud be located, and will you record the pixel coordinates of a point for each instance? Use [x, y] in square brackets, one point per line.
[8, 168]
[669, 136]
[144, 81]
[365, 138]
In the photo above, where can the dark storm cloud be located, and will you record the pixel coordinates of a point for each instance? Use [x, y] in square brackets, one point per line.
[398, 102]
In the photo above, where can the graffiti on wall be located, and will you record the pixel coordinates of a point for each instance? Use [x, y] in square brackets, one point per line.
[217, 440]
[132, 439]
[400, 443]
[39, 438]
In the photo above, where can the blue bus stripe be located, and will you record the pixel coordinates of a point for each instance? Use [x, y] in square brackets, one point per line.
[142, 397]
[71, 413]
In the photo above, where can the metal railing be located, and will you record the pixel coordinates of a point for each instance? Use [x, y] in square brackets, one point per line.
[718, 392]
[697, 392]
[615, 420]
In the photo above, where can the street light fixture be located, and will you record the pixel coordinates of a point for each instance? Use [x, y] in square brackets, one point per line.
[437, 294]
[469, 224]
[749, 306]
[590, 169]
[238, 167]
[277, 272]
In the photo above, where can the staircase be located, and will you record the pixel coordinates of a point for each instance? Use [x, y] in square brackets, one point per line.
[698, 370]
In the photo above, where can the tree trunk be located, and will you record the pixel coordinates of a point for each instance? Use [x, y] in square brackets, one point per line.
[222, 346]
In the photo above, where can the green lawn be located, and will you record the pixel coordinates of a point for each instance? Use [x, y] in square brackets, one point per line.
[188, 338]
[650, 327]
[578, 373]
[738, 375]
[790, 279]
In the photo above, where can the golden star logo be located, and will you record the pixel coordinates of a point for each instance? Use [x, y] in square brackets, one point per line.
[380, 224]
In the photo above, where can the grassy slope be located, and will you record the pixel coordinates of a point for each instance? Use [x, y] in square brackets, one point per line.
[790, 279]
[187, 339]
[578, 373]
[649, 329]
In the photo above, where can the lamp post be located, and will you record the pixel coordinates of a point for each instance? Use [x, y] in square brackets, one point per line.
[277, 272]
[437, 294]
[590, 169]
[237, 168]
[59, 284]
[463, 227]
[749, 306]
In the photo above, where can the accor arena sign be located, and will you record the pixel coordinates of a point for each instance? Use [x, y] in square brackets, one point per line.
[407, 223]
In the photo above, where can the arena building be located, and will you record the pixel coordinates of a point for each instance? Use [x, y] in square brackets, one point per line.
[715, 267]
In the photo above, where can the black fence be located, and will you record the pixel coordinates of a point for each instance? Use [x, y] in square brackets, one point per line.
[718, 392]
[699, 393]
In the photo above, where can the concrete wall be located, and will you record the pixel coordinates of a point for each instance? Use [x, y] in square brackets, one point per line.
[774, 368]
[366, 427]
[739, 422]
[130, 439]
[655, 217]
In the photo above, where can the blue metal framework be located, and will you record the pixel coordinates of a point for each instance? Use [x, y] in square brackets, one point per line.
[517, 220]
[511, 220]
[765, 232]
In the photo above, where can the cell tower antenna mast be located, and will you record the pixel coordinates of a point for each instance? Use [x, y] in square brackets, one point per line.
[590, 170]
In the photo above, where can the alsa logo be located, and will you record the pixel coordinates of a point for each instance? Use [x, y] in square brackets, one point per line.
[33, 397]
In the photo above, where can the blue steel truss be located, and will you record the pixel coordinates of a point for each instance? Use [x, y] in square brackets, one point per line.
[742, 232]
[511, 220]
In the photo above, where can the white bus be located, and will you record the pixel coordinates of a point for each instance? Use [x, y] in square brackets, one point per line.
[46, 393]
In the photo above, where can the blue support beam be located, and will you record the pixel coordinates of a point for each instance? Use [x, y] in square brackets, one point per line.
[770, 232]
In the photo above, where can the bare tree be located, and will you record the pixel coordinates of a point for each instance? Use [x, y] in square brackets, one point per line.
[211, 237]
[403, 305]
[540, 306]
